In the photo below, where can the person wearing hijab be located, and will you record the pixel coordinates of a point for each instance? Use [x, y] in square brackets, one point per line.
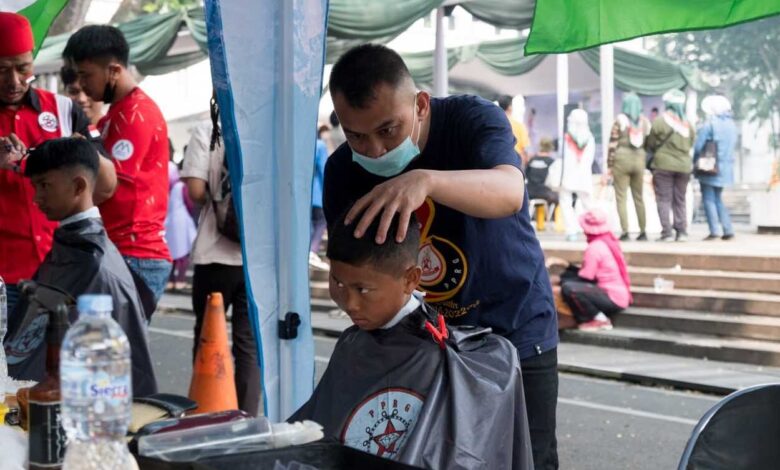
[602, 287]
[626, 161]
[720, 128]
[670, 140]
[579, 149]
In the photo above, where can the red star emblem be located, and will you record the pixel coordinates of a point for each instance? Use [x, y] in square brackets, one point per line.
[388, 439]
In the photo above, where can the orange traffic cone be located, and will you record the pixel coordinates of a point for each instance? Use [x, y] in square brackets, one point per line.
[212, 385]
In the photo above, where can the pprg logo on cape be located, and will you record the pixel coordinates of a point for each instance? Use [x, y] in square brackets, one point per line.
[444, 265]
[381, 423]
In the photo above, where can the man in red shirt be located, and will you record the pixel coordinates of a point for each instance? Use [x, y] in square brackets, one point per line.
[135, 134]
[28, 117]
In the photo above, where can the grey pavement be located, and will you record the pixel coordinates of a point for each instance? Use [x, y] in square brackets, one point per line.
[602, 424]
[634, 366]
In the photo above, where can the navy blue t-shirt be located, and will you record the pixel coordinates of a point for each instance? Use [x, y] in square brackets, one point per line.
[487, 272]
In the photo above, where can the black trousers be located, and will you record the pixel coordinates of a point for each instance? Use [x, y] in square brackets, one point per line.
[229, 281]
[540, 383]
[586, 300]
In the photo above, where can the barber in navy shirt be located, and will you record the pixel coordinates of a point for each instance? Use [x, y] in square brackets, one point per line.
[452, 161]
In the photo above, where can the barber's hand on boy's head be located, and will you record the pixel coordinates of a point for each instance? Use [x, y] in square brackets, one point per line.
[11, 151]
[403, 194]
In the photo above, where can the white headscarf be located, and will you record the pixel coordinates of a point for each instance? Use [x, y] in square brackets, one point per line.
[578, 127]
[518, 108]
[715, 105]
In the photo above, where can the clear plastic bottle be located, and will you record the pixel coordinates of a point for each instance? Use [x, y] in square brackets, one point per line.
[95, 373]
[3, 331]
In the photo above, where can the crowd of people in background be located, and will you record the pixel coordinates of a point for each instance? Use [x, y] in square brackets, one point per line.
[662, 144]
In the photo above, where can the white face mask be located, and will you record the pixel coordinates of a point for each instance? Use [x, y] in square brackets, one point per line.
[396, 160]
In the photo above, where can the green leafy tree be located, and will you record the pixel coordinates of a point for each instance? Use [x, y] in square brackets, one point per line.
[745, 58]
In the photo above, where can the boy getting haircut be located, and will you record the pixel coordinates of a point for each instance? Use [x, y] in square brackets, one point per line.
[82, 260]
[402, 385]
[392, 258]
[374, 283]
[63, 154]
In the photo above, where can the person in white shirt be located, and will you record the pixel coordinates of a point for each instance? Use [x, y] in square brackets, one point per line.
[218, 261]
[579, 149]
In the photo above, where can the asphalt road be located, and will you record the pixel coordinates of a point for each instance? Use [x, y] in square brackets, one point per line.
[602, 424]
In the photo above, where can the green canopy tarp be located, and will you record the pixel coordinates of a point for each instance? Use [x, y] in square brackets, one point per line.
[351, 22]
[636, 72]
[571, 25]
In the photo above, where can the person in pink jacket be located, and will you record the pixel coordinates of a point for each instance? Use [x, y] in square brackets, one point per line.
[602, 286]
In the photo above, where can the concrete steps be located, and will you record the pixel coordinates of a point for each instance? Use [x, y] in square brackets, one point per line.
[717, 324]
[725, 304]
[714, 258]
[708, 279]
[682, 344]
[714, 301]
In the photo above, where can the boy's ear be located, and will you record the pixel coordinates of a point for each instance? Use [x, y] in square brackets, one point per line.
[412, 279]
[81, 184]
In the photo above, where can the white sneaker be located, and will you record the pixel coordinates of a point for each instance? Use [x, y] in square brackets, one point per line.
[316, 262]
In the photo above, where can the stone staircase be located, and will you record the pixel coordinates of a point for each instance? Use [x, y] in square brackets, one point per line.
[723, 306]
[736, 199]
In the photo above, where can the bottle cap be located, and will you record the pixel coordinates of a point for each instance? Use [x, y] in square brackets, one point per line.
[95, 303]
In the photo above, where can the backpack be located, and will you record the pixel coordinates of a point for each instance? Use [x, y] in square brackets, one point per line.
[224, 209]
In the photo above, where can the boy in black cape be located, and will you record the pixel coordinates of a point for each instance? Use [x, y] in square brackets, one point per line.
[400, 383]
[82, 260]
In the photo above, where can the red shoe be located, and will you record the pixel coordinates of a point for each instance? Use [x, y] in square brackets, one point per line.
[595, 325]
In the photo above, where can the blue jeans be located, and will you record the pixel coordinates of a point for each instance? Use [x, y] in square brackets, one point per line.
[154, 272]
[715, 210]
[12, 297]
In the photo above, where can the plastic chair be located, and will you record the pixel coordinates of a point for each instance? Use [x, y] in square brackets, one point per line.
[742, 431]
[539, 210]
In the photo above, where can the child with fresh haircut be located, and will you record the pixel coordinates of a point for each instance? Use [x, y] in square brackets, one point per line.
[400, 383]
[82, 259]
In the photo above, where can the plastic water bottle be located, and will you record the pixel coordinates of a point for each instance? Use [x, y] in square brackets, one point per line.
[3, 331]
[95, 373]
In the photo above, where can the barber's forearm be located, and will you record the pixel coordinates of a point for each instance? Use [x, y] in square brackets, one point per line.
[487, 194]
[105, 185]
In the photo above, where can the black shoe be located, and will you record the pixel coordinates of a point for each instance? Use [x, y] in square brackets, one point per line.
[665, 239]
[710, 237]
[681, 237]
[730, 236]
[624, 237]
[642, 237]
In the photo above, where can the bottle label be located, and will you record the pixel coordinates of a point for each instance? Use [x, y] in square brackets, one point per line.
[108, 395]
[47, 438]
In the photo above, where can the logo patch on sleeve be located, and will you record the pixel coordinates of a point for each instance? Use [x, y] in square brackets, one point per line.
[47, 121]
[122, 149]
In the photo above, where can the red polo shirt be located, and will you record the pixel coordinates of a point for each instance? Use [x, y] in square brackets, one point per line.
[25, 233]
[136, 136]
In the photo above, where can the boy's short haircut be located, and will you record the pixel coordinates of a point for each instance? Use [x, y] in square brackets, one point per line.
[97, 43]
[389, 257]
[66, 153]
[360, 70]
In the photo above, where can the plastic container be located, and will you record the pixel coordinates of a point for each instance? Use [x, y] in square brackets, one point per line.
[661, 285]
[321, 455]
[247, 435]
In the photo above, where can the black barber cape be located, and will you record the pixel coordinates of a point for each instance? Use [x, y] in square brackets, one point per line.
[395, 393]
[83, 260]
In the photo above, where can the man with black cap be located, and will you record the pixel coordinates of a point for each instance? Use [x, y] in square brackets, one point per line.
[28, 117]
